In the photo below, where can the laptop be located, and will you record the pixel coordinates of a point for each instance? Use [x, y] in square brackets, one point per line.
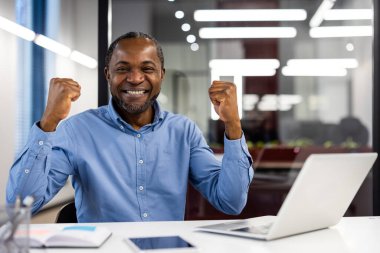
[319, 197]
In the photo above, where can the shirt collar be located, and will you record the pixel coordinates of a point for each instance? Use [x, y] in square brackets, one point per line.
[115, 116]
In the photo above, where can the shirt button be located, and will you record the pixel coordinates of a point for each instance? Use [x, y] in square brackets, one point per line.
[145, 215]
[121, 127]
[41, 143]
[141, 187]
[141, 161]
[26, 171]
[138, 135]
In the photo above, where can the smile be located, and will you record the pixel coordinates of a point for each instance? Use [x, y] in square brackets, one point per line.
[135, 92]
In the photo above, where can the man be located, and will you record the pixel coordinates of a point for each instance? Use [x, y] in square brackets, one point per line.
[130, 160]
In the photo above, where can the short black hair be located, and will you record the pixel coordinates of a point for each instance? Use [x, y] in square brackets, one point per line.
[134, 35]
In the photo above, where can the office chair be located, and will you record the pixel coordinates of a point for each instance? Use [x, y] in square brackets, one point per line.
[67, 214]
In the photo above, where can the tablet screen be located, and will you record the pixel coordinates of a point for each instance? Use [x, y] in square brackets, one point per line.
[166, 242]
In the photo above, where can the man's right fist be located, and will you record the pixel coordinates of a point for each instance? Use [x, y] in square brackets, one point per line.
[62, 91]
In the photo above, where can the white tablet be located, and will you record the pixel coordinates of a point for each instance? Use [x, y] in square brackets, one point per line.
[160, 244]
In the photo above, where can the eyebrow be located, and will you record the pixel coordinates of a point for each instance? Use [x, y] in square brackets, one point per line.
[144, 63]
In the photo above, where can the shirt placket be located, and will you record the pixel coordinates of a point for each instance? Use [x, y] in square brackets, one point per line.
[141, 177]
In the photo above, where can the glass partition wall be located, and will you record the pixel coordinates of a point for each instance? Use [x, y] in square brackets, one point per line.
[303, 70]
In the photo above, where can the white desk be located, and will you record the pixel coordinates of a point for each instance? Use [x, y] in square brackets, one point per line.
[359, 234]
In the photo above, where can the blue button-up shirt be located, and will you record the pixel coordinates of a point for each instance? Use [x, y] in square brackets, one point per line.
[121, 174]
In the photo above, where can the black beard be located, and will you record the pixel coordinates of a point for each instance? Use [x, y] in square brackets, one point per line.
[134, 108]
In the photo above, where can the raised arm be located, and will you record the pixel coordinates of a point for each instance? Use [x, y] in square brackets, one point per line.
[223, 97]
[43, 166]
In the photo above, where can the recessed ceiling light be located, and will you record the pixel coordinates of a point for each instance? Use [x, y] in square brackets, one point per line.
[194, 47]
[350, 47]
[191, 38]
[179, 14]
[185, 27]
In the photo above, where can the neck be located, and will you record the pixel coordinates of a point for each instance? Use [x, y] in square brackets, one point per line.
[139, 120]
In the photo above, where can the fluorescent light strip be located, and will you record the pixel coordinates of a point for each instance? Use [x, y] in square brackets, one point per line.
[52, 45]
[245, 72]
[318, 17]
[250, 15]
[341, 31]
[46, 42]
[324, 63]
[247, 32]
[349, 14]
[83, 59]
[307, 71]
[16, 29]
[238, 63]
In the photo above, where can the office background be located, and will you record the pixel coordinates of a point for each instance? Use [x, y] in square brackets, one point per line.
[285, 116]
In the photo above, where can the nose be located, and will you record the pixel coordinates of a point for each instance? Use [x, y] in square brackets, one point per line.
[135, 77]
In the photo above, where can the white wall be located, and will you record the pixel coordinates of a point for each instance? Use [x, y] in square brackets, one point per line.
[8, 76]
[78, 30]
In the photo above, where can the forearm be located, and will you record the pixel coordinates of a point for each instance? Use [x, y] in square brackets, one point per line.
[233, 130]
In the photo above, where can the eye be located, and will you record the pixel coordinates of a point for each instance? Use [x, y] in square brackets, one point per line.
[122, 69]
[148, 69]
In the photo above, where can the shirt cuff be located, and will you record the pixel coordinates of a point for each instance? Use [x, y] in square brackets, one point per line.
[236, 149]
[40, 140]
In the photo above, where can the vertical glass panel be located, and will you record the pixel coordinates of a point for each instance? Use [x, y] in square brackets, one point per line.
[303, 71]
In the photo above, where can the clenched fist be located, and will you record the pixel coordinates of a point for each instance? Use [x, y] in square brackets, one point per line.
[62, 91]
[224, 98]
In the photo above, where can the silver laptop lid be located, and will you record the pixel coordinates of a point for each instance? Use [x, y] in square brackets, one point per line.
[322, 192]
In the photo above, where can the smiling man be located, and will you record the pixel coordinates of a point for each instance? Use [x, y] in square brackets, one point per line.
[131, 160]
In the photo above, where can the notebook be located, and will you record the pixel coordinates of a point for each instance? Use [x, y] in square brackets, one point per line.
[67, 236]
[319, 197]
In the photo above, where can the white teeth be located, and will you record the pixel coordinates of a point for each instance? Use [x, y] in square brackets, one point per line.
[135, 92]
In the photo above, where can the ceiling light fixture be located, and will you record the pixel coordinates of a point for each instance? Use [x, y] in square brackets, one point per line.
[17, 29]
[83, 59]
[186, 27]
[348, 14]
[250, 15]
[52, 45]
[236, 64]
[347, 63]
[246, 32]
[179, 14]
[46, 42]
[318, 17]
[341, 31]
[194, 47]
[307, 71]
[191, 38]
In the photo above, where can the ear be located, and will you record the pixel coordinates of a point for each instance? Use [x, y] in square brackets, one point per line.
[107, 74]
[162, 73]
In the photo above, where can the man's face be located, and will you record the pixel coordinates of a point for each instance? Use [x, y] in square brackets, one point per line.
[135, 75]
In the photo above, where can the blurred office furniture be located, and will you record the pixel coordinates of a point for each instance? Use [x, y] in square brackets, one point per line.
[350, 129]
[67, 214]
